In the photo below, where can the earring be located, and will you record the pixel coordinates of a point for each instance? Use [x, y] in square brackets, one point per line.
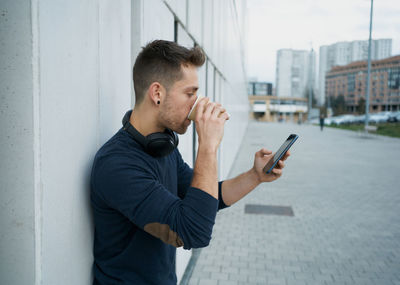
[158, 102]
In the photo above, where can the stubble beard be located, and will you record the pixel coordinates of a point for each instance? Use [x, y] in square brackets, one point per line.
[169, 120]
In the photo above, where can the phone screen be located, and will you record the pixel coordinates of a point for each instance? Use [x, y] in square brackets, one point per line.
[280, 153]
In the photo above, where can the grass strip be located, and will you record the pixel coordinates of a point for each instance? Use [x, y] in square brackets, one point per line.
[385, 129]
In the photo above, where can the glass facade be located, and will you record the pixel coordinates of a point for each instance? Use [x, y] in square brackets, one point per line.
[259, 88]
[394, 78]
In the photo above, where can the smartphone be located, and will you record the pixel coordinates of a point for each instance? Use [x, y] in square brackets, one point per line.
[280, 153]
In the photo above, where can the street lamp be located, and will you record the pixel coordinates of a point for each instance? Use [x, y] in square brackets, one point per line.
[369, 68]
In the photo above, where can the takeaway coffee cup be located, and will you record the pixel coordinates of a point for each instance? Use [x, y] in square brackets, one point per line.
[192, 113]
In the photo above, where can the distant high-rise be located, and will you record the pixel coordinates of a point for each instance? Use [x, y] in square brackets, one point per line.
[295, 72]
[343, 53]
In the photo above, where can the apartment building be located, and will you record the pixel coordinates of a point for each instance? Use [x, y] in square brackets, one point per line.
[343, 53]
[350, 81]
[295, 73]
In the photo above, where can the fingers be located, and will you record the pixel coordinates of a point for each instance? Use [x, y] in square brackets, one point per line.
[211, 110]
[216, 110]
[224, 115]
[277, 172]
[201, 107]
[286, 155]
[263, 152]
[280, 164]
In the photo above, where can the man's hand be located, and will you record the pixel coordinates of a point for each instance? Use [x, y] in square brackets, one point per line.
[236, 188]
[261, 158]
[210, 130]
[210, 120]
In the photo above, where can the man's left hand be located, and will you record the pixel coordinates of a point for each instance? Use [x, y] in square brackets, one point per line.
[261, 158]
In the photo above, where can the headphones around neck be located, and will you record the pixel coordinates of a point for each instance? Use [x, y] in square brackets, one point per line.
[156, 144]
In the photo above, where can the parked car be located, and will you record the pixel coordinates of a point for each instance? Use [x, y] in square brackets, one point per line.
[315, 121]
[381, 117]
[343, 119]
[328, 121]
[360, 119]
[394, 117]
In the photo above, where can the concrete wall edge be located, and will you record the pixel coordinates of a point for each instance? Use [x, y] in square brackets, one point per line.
[37, 187]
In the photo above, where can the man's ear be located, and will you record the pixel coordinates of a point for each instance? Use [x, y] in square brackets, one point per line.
[156, 93]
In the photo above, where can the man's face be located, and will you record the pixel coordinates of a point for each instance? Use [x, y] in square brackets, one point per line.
[179, 100]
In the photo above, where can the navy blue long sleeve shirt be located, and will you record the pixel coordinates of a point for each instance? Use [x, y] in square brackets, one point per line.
[144, 207]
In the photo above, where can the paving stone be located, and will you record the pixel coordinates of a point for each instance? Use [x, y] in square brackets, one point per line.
[193, 281]
[230, 282]
[208, 282]
[258, 279]
[238, 277]
[219, 276]
[343, 190]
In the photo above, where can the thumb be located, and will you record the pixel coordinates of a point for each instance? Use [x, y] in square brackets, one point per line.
[263, 152]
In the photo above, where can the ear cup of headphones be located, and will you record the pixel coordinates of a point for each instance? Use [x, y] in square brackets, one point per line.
[174, 137]
[156, 144]
[161, 144]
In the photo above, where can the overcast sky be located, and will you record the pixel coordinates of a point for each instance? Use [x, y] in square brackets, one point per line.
[302, 24]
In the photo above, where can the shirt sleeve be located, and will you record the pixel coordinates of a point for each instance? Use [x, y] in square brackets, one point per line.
[135, 192]
[185, 175]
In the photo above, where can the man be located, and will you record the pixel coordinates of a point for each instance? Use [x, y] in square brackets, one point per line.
[146, 201]
[321, 121]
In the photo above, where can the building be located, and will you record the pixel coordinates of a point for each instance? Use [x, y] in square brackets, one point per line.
[350, 81]
[343, 53]
[259, 88]
[278, 109]
[265, 106]
[66, 82]
[295, 73]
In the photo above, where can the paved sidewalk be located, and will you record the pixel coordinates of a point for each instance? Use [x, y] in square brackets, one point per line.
[345, 194]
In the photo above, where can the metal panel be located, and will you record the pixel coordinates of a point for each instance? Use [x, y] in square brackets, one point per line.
[269, 210]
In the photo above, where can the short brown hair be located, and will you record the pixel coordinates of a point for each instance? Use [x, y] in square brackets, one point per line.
[161, 61]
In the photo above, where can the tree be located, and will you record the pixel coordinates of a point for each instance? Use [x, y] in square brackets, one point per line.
[338, 105]
[323, 110]
[361, 106]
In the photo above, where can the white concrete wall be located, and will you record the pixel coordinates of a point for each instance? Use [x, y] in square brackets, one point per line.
[64, 92]
[65, 85]
[84, 89]
[17, 175]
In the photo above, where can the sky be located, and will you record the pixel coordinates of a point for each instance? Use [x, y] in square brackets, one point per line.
[306, 24]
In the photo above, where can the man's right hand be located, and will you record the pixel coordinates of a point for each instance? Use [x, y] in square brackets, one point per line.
[210, 120]
[210, 130]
